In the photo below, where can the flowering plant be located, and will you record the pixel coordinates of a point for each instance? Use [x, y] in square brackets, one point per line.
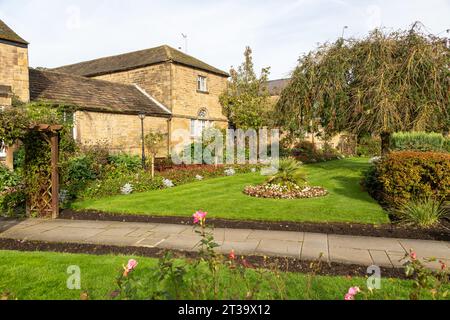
[230, 172]
[127, 189]
[168, 183]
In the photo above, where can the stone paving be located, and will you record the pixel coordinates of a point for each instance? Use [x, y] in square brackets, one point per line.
[364, 251]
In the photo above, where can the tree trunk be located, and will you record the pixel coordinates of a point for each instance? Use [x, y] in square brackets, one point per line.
[385, 143]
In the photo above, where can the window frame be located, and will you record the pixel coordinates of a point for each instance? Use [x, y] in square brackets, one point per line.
[202, 84]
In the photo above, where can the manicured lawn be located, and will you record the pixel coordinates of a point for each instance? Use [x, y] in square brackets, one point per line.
[44, 276]
[223, 198]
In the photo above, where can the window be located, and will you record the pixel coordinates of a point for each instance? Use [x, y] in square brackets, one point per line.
[202, 85]
[200, 124]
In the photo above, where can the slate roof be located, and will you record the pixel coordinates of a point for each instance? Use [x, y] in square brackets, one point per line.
[134, 60]
[91, 94]
[276, 86]
[6, 33]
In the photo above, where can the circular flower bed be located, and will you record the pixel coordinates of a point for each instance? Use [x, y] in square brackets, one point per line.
[277, 191]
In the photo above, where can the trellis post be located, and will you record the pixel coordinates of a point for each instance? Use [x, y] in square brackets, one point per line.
[54, 141]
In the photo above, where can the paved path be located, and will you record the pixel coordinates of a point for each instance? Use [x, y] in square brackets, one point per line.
[306, 246]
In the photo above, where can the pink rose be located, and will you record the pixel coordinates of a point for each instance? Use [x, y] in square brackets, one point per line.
[232, 255]
[413, 255]
[349, 297]
[354, 291]
[199, 217]
[132, 264]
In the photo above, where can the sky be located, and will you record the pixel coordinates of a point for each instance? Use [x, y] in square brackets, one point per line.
[62, 32]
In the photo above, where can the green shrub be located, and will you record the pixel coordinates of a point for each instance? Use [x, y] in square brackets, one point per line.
[424, 212]
[112, 184]
[307, 152]
[8, 178]
[126, 161]
[447, 145]
[12, 194]
[289, 172]
[417, 141]
[369, 147]
[75, 174]
[403, 176]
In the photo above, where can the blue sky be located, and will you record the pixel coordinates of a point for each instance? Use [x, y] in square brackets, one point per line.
[63, 32]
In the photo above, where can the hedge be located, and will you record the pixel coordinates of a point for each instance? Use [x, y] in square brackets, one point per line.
[418, 141]
[402, 176]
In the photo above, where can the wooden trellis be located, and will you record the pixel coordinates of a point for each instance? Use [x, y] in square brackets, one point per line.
[44, 201]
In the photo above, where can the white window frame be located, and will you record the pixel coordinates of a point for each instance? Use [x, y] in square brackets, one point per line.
[198, 126]
[202, 83]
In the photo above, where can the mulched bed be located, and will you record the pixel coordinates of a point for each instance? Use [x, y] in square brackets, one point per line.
[440, 233]
[284, 264]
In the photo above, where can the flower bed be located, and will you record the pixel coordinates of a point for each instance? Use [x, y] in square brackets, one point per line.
[277, 191]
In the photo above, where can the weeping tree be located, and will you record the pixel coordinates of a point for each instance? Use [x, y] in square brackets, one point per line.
[387, 82]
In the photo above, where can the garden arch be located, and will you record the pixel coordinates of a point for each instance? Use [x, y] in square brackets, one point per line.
[43, 197]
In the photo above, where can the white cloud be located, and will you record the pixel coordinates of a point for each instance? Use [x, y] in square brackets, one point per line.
[279, 32]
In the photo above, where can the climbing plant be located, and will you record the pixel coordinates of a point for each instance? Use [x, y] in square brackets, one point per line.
[21, 123]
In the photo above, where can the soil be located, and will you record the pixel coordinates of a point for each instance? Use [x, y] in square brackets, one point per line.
[282, 264]
[439, 233]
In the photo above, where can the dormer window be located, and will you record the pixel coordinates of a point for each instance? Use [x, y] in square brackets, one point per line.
[202, 84]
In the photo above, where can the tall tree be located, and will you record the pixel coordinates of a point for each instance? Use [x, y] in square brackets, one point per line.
[246, 100]
[379, 85]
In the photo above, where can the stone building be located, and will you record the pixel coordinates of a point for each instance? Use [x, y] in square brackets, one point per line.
[178, 94]
[186, 86]
[14, 80]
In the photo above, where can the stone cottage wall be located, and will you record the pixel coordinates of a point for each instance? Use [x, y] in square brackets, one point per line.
[120, 132]
[14, 69]
[153, 79]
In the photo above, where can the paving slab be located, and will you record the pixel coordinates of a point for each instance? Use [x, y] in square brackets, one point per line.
[240, 247]
[112, 240]
[188, 243]
[314, 246]
[431, 249]
[351, 256]
[236, 234]
[118, 232]
[372, 243]
[67, 234]
[170, 228]
[380, 258]
[150, 242]
[276, 235]
[279, 248]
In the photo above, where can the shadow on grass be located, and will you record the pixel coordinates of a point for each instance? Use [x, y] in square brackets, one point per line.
[350, 187]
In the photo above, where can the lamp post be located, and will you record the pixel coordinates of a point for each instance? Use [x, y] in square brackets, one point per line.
[142, 116]
[343, 31]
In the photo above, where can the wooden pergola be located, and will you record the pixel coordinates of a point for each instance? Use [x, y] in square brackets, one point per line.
[45, 201]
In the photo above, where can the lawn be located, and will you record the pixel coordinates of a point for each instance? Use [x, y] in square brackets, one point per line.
[43, 276]
[223, 198]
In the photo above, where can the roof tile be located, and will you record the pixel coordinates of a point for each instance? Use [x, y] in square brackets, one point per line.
[91, 94]
[134, 60]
